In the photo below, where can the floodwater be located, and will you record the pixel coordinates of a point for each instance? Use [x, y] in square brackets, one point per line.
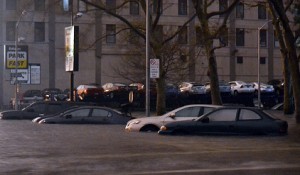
[30, 149]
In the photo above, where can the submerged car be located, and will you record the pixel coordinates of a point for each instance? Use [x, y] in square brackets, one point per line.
[38, 109]
[88, 115]
[229, 121]
[188, 112]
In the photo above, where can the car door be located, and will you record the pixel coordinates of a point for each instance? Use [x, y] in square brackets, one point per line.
[35, 110]
[100, 116]
[249, 122]
[187, 113]
[221, 121]
[77, 116]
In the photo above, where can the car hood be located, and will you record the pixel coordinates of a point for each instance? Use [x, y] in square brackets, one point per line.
[148, 119]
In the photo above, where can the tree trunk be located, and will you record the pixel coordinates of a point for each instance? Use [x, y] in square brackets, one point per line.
[213, 76]
[161, 96]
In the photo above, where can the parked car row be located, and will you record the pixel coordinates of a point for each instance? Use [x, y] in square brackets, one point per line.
[117, 94]
[196, 119]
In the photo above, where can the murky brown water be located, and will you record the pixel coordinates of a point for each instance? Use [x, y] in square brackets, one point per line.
[29, 148]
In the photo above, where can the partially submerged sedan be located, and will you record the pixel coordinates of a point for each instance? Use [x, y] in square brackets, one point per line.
[88, 115]
[229, 121]
[188, 112]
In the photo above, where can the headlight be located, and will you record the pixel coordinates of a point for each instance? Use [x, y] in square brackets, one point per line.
[135, 122]
[163, 128]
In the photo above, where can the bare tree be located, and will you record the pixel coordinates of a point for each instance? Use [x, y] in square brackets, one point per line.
[288, 107]
[209, 31]
[157, 42]
[293, 62]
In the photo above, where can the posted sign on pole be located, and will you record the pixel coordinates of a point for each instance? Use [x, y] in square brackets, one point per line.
[154, 68]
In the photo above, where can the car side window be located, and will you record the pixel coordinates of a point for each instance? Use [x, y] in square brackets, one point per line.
[38, 108]
[79, 113]
[53, 108]
[188, 112]
[246, 114]
[101, 113]
[223, 115]
[207, 110]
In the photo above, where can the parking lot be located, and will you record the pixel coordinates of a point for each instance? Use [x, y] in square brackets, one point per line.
[29, 148]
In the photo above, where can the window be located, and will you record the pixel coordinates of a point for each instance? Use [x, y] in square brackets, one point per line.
[10, 31]
[157, 6]
[223, 5]
[199, 37]
[223, 115]
[66, 5]
[240, 37]
[39, 31]
[246, 114]
[240, 10]
[111, 5]
[239, 60]
[182, 7]
[110, 33]
[263, 38]
[101, 113]
[276, 41]
[39, 5]
[262, 60]
[262, 13]
[79, 113]
[134, 8]
[188, 112]
[53, 108]
[38, 108]
[182, 36]
[11, 4]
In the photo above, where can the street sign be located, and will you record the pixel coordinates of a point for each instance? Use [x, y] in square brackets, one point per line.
[10, 57]
[154, 68]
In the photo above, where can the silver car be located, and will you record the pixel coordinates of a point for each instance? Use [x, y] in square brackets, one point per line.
[187, 112]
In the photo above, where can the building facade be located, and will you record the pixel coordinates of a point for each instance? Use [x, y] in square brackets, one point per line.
[41, 24]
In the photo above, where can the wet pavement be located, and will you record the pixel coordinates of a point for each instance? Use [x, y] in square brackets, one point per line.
[29, 148]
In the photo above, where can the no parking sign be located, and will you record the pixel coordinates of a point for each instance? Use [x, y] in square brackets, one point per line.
[154, 68]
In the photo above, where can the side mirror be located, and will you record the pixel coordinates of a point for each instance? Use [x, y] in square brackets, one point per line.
[205, 120]
[172, 115]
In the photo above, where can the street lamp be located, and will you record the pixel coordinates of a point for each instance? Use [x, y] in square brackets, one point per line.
[258, 62]
[147, 62]
[16, 59]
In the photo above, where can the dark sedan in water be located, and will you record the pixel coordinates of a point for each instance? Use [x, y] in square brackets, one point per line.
[88, 115]
[229, 121]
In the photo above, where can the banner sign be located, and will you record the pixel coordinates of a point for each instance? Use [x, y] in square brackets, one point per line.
[71, 48]
[10, 58]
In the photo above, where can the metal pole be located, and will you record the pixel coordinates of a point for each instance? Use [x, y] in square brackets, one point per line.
[17, 60]
[147, 62]
[258, 63]
[16, 67]
[71, 72]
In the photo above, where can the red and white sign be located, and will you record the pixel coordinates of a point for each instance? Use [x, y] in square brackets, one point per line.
[154, 68]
